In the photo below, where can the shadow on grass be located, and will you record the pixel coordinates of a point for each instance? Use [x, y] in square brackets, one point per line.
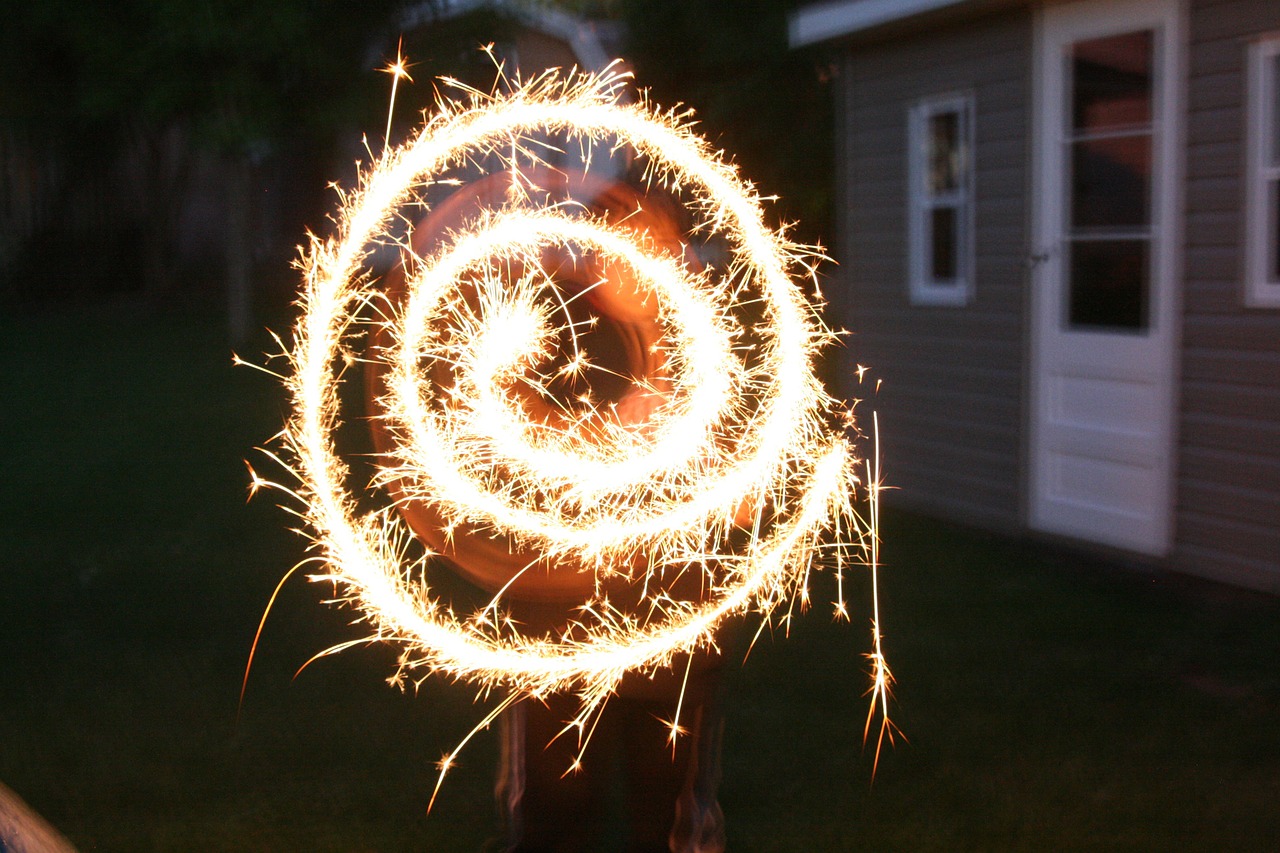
[1051, 702]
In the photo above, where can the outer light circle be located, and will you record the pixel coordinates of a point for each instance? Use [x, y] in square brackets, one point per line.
[358, 548]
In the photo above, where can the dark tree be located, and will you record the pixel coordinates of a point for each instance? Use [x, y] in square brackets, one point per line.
[765, 104]
[108, 107]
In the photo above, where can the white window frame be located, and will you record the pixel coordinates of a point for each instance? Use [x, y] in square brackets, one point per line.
[923, 288]
[1262, 280]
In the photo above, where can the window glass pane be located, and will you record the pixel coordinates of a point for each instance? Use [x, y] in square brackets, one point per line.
[1272, 70]
[1111, 181]
[945, 228]
[1108, 284]
[1273, 207]
[1111, 81]
[944, 152]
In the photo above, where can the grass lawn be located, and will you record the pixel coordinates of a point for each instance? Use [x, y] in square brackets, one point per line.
[1051, 702]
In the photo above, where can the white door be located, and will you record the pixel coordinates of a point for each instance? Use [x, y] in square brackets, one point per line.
[1104, 286]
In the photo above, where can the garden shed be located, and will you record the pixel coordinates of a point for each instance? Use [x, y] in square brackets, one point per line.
[1059, 249]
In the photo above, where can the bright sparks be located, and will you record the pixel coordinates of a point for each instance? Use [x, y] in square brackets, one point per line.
[727, 464]
[396, 69]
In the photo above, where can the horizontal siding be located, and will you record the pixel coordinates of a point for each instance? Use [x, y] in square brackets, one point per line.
[1214, 125]
[1215, 56]
[951, 403]
[1232, 434]
[1253, 507]
[1231, 536]
[1253, 402]
[1228, 511]
[1218, 326]
[1214, 193]
[973, 501]
[938, 62]
[1215, 228]
[933, 410]
[1231, 21]
[1215, 159]
[1216, 89]
[952, 482]
[1215, 564]
[1239, 368]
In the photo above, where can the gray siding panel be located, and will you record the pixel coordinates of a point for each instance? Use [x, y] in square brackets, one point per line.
[1233, 537]
[1209, 261]
[1214, 57]
[951, 406]
[1215, 564]
[1252, 507]
[1231, 21]
[1217, 326]
[1214, 125]
[1215, 89]
[1240, 368]
[1228, 513]
[1228, 434]
[1215, 159]
[1235, 467]
[1210, 193]
[1215, 227]
[1243, 403]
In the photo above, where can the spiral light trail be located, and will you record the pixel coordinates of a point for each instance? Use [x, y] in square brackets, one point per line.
[735, 472]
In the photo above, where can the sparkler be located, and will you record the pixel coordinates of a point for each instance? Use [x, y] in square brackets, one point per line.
[718, 471]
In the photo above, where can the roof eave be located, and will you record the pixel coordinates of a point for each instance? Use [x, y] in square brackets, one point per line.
[824, 22]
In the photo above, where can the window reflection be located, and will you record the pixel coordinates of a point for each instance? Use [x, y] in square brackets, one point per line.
[944, 152]
[1274, 130]
[1111, 81]
[1273, 193]
[1111, 181]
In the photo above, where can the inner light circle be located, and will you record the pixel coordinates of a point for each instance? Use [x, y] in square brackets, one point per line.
[582, 531]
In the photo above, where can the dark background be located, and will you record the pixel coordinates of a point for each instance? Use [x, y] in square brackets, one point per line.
[179, 150]
[161, 163]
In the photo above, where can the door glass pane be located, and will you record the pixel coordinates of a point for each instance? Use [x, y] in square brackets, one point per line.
[945, 232]
[1111, 181]
[1111, 81]
[944, 152]
[1108, 284]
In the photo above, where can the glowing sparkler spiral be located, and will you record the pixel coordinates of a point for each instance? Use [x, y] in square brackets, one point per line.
[718, 470]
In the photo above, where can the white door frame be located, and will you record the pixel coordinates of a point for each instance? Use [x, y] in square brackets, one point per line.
[1138, 370]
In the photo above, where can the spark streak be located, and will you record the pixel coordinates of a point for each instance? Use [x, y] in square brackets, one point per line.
[397, 70]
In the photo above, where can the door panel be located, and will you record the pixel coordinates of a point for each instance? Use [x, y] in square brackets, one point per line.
[1104, 302]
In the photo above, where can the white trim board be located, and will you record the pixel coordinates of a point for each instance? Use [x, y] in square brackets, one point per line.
[825, 21]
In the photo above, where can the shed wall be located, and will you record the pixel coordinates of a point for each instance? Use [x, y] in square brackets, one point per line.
[952, 398]
[1228, 503]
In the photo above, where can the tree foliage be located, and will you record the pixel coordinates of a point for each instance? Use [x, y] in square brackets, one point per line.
[112, 102]
[85, 86]
[765, 104]
[237, 71]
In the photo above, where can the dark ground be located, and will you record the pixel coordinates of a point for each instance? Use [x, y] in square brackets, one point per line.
[1051, 701]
